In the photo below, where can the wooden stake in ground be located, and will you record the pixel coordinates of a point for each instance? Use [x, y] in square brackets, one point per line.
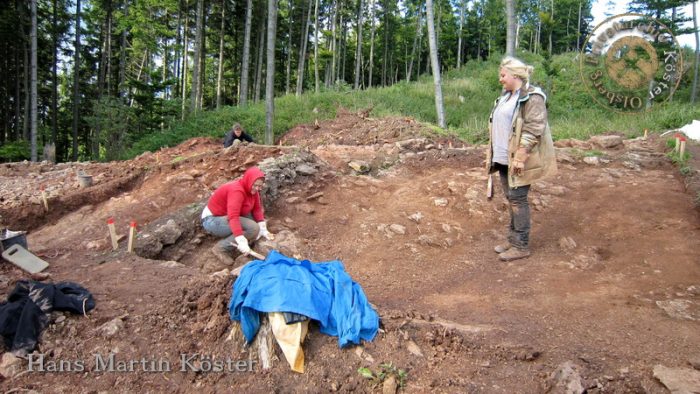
[646, 133]
[132, 232]
[43, 198]
[677, 147]
[112, 233]
[681, 152]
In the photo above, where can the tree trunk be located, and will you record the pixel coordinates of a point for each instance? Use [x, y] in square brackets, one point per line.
[551, 29]
[385, 56]
[18, 92]
[419, 30]
[185, 61]
[76, 82]
[371, 43]
[122, 56]
[316, 46]
[108, 64]
[32, 88]
[270, 72]
[435, 64]
[510, 29]
[220, 73]
[697, 55]
[462, 4]
[420, 49]
[194, 93]
[288, 62]
[334, 47]
[358, 53]
[243, 93]
[54, 75]
[343, 49]
[302, 52]
[538, 34]
[27, 72]
[478, 28]
[5, 59]
[202, 62]
[258, 67]
[568, 18]
[101, 77]
[166, 52]
[177, 57]
[578, 28]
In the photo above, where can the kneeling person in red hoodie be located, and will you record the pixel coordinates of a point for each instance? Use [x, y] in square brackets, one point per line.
[235, 212]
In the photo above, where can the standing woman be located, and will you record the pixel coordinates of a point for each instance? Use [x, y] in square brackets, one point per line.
[520, 149]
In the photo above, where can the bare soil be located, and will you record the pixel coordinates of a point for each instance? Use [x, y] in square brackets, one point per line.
[613, 285]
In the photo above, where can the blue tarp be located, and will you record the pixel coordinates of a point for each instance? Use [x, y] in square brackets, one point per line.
[322, 291]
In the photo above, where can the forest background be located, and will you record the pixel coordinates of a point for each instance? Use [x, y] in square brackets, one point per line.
[109, 79]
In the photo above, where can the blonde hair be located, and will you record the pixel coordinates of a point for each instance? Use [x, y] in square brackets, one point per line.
[517, 68]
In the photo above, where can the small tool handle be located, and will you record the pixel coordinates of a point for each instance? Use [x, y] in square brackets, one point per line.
[256, 255]
[489, 187]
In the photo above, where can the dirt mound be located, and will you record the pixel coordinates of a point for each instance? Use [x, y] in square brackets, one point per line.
[612, 289]
[359, 129]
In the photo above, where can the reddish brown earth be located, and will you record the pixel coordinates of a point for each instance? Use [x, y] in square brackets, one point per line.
[479, 324]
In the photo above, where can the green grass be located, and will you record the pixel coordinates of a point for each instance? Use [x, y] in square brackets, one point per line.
[468, 97]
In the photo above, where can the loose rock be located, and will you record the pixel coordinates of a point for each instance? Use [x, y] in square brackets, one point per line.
[414, 348]
[440, 202]
[398, 229]
[678, 380]
[10, 365]
[607, 141]
[416, 217]
[567, 243]
[111, 328]
[565, 380]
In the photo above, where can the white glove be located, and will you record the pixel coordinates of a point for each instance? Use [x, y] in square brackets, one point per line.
[264, 233]
[242, 244]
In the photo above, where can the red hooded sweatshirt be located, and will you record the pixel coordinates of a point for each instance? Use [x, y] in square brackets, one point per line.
[235, 199]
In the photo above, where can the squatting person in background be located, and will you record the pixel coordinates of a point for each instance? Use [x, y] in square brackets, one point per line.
[236, 135]
[235, 212]
[520, 150]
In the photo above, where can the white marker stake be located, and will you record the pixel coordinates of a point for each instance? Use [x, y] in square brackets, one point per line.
[112, 233]
[43, 198]
[682, 151]
[132, 232]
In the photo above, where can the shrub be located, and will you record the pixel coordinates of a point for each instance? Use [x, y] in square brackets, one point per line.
[15, 151]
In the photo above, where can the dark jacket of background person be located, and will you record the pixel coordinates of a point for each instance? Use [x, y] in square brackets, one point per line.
[231, 136]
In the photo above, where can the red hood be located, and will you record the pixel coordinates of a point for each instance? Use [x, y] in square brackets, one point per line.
[249, 177]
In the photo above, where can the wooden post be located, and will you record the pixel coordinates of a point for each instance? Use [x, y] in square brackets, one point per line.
[678, 143]
[646, 134]
[681, 151]
[43, 198]
[112, 233]
[132, 232]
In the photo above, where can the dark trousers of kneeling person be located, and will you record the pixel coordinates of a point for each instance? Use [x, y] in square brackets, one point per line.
[519, 208]
[219, 227]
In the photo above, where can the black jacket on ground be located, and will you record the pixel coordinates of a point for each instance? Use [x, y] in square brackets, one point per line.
[25, 313]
